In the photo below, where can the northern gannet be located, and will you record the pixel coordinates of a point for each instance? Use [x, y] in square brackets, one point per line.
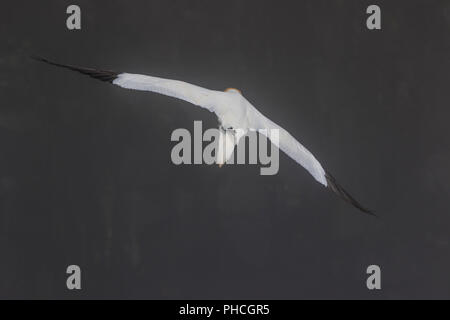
[236, 117]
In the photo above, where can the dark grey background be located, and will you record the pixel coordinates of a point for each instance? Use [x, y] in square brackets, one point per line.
[86, 176]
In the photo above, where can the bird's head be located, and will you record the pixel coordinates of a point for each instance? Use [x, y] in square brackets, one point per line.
[234, 90]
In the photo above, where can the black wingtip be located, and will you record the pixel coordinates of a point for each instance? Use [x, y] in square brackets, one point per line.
[37, 58]
[343, 194]
[103, 75]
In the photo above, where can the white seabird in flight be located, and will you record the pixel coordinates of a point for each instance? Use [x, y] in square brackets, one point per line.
[233, 112]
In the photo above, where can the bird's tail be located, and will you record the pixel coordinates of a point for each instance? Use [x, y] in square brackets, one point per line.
[342, 193]
[103, 75]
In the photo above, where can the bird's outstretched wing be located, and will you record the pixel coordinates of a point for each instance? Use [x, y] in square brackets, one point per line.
[294, 149]
[204, 98]
[173, 88]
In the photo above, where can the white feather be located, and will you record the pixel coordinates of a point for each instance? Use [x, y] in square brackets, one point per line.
[173, 88]
[232, 110]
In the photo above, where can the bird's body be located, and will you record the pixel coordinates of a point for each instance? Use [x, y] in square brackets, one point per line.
[236, 116]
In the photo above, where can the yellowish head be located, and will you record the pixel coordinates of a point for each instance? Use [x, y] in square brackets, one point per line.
[233, 90]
